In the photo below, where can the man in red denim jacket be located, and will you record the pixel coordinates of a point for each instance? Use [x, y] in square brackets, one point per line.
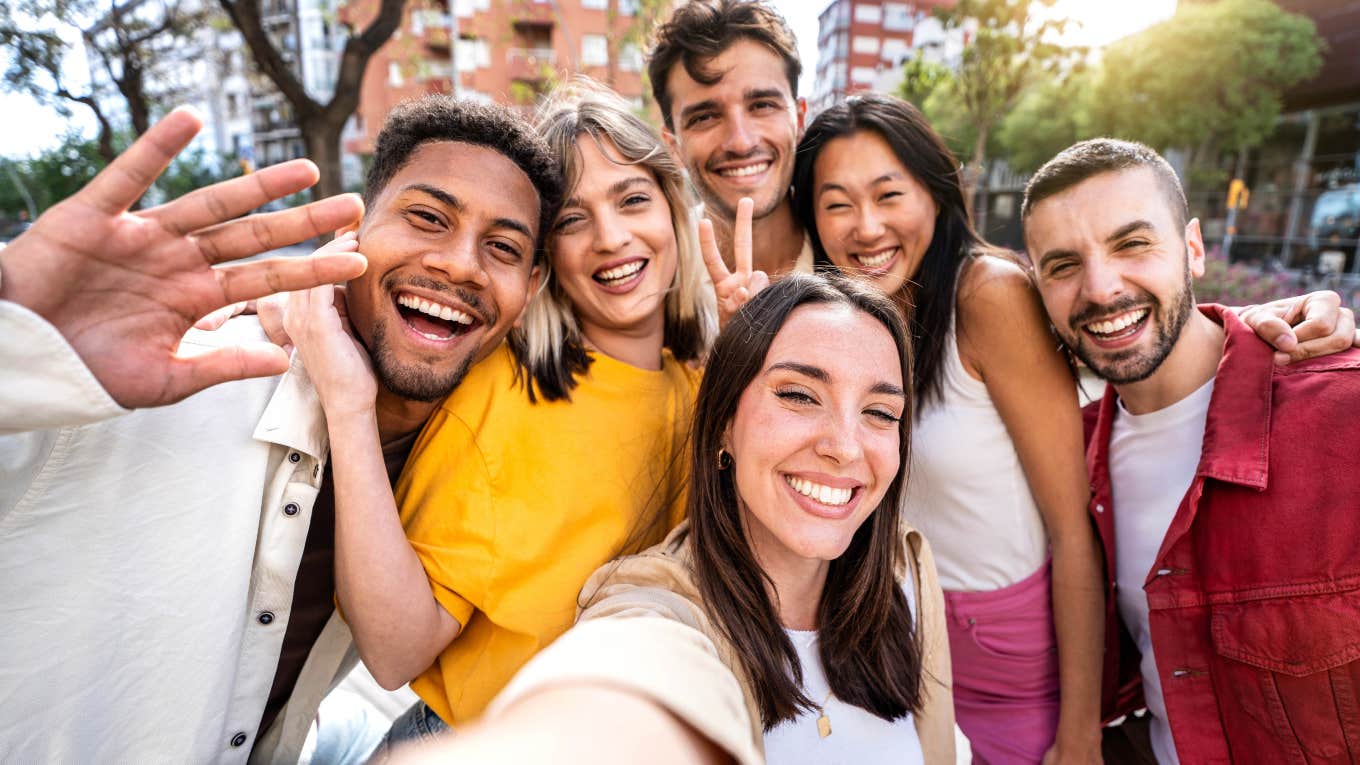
[1224, 491]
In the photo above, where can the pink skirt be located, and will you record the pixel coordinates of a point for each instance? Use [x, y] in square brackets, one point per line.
[1005, 658]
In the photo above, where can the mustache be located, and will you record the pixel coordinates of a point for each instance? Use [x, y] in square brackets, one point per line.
[487, 313]
[1092, 311]
[726, 157]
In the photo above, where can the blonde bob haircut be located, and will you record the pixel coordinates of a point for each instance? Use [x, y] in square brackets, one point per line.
[548, 343]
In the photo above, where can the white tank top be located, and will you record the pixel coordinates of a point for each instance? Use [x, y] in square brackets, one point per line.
[967, 492]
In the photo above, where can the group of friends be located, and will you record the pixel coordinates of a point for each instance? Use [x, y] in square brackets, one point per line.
[804, 481]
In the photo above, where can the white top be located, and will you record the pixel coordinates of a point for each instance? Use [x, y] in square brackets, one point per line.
[1153, 458]
[857, 737]
[966, 491]
[138, 551]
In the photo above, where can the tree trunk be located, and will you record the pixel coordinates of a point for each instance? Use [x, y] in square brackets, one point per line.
[322, 137]
[977, 181]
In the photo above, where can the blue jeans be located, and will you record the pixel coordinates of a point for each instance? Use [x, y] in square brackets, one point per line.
[419, 724]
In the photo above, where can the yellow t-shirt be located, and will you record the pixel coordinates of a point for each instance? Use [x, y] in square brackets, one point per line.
[511, 506]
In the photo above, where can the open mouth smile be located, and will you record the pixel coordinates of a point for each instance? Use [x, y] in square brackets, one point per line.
[822, 500]
[619, 277]
[434, 320]
[877, 260]
[1120, 327]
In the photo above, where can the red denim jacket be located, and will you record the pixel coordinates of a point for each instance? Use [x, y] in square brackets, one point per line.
[1254, 598]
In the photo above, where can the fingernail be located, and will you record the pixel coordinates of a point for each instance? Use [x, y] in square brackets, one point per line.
[1281, 359]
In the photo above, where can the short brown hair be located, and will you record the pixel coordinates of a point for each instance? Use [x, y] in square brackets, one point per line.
[1087, 159]
[701, 30]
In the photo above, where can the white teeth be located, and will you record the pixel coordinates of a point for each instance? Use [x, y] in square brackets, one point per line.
[748, 170]
[436, 310]
[619, 273]
[827, 495]
[874, 261]
[1110, 326]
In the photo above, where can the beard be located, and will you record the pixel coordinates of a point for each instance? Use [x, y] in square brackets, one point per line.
[416, 382]
[1133, 365]
[766, 200]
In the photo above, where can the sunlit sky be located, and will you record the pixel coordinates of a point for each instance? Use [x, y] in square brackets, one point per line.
[27, 127]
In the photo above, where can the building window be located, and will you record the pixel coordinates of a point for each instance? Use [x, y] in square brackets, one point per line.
[865, 44]
[863, 75]
[595, 5]
[898, 17]
[868, 14]
[628, 7]
[630, 58]
[594, 50]
[896, 51]
[394, 77]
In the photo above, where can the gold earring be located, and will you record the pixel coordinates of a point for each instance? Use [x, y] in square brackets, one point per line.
[724, 459]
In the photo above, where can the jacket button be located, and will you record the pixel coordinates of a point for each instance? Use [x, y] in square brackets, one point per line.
[1100, 508]
[291, 509]
[238, 740]
[294, 457]
[266, 617]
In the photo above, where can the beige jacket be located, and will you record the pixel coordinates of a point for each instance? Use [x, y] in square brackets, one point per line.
[643, 629]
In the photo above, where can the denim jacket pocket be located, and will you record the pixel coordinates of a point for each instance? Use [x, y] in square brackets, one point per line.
[1292, 666]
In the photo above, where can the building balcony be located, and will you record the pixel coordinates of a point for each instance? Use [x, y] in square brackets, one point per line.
[531, 64]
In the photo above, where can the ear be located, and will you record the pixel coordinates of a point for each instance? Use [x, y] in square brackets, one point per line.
[673, 143]
[1194, 248]
[800, 106]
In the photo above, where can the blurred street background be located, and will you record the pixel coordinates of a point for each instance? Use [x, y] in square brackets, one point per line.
[1256, 102]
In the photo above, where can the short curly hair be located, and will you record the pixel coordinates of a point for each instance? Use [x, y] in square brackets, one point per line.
[700, 31]
[442, 118]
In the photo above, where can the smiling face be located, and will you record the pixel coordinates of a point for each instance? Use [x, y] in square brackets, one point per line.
[737, 136]
[613, 246]
[1114, 269]
[450, 243]
[873, 217]
[815, 440]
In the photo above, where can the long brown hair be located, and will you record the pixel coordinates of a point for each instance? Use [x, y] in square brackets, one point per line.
[868, 644]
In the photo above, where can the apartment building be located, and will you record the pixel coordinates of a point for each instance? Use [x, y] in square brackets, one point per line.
[862, 42]
[508, 51]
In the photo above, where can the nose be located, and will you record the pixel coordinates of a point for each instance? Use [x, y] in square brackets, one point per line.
[1100, 281]
[741, 139]
[840, 441]
[611, 235]
[460, 260]
[868, 225]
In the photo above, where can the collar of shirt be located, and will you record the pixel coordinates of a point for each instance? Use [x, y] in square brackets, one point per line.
[294, 417]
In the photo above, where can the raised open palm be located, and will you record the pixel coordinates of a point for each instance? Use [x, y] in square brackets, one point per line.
[123, 287]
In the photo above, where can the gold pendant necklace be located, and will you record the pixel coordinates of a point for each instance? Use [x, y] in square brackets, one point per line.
[824, 722]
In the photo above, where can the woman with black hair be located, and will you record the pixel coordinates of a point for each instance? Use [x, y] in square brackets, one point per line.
[997, 479]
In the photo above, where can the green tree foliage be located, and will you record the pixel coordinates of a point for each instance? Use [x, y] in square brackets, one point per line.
[1208, 80]
[921, 78]
[1048, 118]
[1011, 47]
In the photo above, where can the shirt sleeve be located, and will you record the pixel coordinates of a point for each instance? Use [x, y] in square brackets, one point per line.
[662, 660]
[444, 497]
[45, 385]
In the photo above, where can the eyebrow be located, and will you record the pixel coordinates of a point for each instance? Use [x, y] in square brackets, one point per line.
[752, 94]
[889, 176]
[1119, 233]
[821, 375]
[617, 188]
[457, 204]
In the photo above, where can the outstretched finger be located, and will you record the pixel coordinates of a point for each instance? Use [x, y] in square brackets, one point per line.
[193, 374]
[232, 198]
[741, 235]
[247, 281]
[263, 232]
[131, 173]
[708, 246]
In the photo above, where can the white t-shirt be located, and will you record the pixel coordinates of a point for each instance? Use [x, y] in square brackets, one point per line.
[857, 736]
[1153, 458]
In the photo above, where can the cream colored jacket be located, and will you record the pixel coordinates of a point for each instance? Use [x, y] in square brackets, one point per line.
[644, 629]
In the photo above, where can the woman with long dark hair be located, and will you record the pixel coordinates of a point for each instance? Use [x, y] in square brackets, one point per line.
[794, 618]
[997, 479]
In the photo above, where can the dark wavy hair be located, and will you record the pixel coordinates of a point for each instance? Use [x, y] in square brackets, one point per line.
[931, 291]
[441, 118]
[867, 641]
[700, 31]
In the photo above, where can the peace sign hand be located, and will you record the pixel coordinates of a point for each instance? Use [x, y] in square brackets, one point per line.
[123, 287]
[733, 289]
